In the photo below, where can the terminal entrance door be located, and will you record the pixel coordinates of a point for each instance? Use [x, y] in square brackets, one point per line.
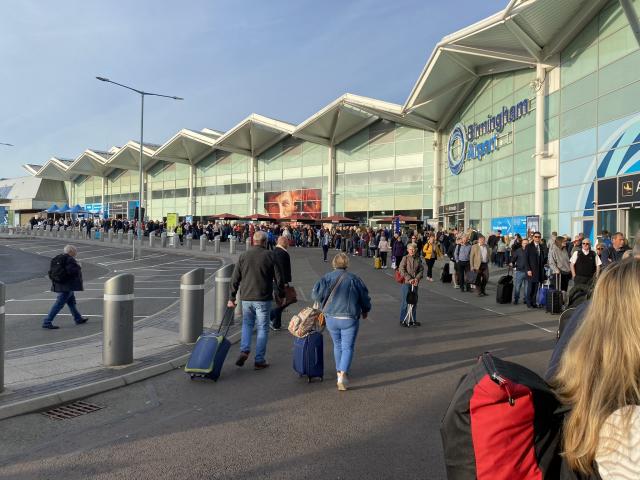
[630, 222]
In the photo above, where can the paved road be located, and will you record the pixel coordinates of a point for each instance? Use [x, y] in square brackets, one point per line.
[271, 424]
[157, 285]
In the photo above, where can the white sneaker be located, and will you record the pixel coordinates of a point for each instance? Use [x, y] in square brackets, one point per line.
[343, 382]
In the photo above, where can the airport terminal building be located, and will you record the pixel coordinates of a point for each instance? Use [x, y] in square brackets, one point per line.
[531, 115]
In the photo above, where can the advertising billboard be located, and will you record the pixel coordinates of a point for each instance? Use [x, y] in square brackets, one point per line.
[306, 202]
[4, 216]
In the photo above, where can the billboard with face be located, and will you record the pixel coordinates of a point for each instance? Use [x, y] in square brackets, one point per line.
[306, 202]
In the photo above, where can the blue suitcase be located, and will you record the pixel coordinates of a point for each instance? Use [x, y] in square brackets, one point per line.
[210, 352]
[308, 356]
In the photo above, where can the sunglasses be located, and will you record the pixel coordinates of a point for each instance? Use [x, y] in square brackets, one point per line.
[536, 236]
[599, 248]
[586, 243]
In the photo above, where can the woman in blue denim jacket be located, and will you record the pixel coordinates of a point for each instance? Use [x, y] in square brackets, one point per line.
[349, 302]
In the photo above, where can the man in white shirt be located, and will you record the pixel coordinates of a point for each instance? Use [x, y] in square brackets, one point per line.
[585, 264]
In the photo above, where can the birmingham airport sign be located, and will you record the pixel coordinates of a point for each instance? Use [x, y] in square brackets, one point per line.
[463, 142]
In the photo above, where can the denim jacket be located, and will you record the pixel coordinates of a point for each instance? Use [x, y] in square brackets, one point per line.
[350, 299]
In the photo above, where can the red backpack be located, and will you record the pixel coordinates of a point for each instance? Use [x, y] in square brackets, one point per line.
[502, 424]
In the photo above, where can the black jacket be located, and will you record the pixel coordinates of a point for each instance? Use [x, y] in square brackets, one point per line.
[283, 261]
[519, 260]
[74, 277]
[535, 263]
[256, 270]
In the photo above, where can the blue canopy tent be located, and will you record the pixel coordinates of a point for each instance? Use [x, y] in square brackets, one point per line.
[52, 209]
[64, 209]
[77, 209]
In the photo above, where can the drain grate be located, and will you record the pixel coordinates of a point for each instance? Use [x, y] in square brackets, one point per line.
[72, 410]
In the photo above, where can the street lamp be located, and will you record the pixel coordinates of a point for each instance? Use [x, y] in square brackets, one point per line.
[141, 202]
[7, 144]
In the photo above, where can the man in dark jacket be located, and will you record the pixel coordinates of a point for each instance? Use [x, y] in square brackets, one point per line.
[257, 271]
[66, 278]
[283, 261]
[535, 259]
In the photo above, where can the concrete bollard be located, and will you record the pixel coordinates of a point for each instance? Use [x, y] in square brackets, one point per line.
[163, 239]
[232, 245]
[76, 234]
[120, 237]
[248, 243]
[216, 244]
[110, 234]
[102, 234]
[203, 243]
[191, 305]
[117, 328]
[189, 242]
[152, 237]
[2, 301]
[175, 241]
[130, 237]
[222, 286]
[92, 233]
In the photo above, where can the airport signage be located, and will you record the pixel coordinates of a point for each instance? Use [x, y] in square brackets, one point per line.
[464, 141]
[629, 188]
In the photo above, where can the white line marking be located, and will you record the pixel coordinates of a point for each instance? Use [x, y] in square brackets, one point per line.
[184, 287]
[59, 315]
[119, 298]
[128, 260]
[83, 299]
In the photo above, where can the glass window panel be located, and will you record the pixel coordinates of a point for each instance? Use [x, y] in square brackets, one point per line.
[482, 192]
[525, 139]
[577, 171]
[381, 163]
[551, 129]
[483, 173]
[579, 92]
[523, 161]
[524, 182]
[523, 204]
[356, 166]
[581, 56]
[383, 150]
[381, 203]
[311, 171]
[502, 168]
[502, 187]
[408, 133]
[619, 73]
[381, 189]
[502, 207]
[578, 119]
[357, 179]
[578, 145]
[617, 46]
[551, 200]
[411, 188]
[408, 174]
[409, 146]
[612, 18]
[407, 161]
[618, 104]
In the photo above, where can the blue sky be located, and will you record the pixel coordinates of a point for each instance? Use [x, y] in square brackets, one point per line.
[281, 58]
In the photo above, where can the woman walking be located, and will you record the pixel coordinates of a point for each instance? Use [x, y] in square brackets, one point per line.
[384, 248]
[411, 270]
[559, 263]
[350, 301]
[430, 252]
[397, 251]
[599, 379]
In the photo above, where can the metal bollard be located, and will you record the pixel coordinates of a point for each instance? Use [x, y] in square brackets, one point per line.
[232, 245]
[152, 237]
[130, 237]
[216, 244]
[92, 234]
[102, 234]
[110, 235]
[248, 243]
[223, 284]
[191, 305]
[117, 329]
[203, 243]
[176, 241]
[76, 234]
[189, 242]
[2, 300]
[120, 237]
[163, 239]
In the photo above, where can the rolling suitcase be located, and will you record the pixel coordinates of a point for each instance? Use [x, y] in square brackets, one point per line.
[210, 352]
[554, 300]
[308, 356]
[377, 263]
[445, 276]
[504, 290]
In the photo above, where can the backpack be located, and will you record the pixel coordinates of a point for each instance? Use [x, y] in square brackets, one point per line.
[58, 269]
[502, 424]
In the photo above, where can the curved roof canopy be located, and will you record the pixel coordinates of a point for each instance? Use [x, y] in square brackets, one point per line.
[349, 114]
[187, 146]
[56, 169]
[254, 135]
[525, 33]
[128, 156]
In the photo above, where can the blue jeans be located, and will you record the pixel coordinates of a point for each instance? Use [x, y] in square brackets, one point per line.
[343, 333]
[255, 313]
[520, 280]
[67, 298]
[406, 288]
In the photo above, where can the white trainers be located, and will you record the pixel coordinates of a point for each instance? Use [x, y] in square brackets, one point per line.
[343, 382]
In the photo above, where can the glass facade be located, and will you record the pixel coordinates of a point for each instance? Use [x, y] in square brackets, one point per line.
[385, 169]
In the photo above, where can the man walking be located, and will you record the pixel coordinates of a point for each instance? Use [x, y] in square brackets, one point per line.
[585, 264]
[283, 262]
[66, 277]
[535, 260]
[256, 270]
[480, 257]
[519, 263]
[615, 252]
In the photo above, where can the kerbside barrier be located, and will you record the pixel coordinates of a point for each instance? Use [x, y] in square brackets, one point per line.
[163, 240]
[2, 299]
[248, 243]
[189, 242]
[203, 243]
[216, 244]
[117, 329]
[222, 285]
[152, 237]
[232, 245]
[191, 305]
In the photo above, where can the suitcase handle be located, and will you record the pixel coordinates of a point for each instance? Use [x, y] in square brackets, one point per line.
[227, 319]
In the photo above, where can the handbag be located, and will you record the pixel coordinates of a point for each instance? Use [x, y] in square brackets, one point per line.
[311, 318]
[471, 276]
[290, 297]
[399, 277]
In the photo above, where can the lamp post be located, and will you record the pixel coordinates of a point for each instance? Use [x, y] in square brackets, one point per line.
[142, 94]
[7, 144]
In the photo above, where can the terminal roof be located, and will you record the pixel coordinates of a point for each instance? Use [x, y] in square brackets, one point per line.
[254, 135]
[188, 146]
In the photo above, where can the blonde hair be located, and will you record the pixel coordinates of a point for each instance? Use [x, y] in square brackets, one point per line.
[600, 370]
[340, 261]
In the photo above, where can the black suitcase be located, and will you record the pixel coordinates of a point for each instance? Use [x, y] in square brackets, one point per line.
[445, 276]
[504, 292]
[554, 300]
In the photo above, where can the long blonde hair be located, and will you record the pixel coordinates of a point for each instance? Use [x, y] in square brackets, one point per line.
[600, 369]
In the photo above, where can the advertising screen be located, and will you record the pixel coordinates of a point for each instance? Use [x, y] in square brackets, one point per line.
[305, 202]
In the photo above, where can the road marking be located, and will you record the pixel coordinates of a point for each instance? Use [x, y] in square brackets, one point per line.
[84, 299]
[58, 315]
[128, 260]
[119, 298]
[100, 256]
[186, 287]
[139, 288]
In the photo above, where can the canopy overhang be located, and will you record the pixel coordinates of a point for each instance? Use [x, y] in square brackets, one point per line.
[56, 169]
[128, 157]
[526, 33]
[187, 146]
[254, 135]
[347, 115]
